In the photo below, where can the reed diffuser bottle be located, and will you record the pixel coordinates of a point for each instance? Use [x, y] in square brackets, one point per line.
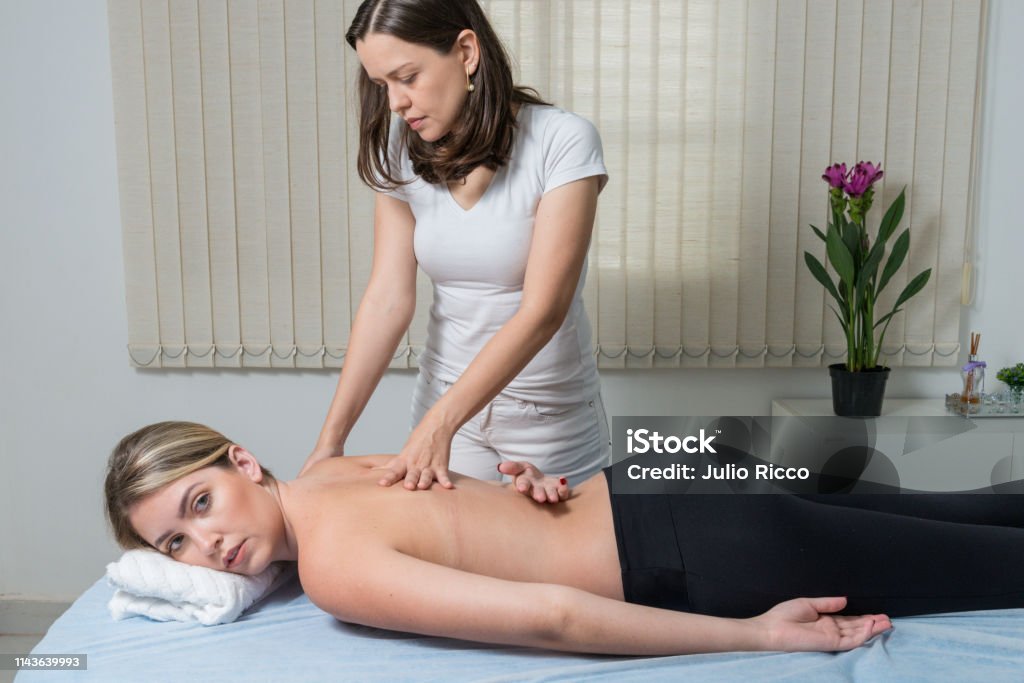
[973, 374]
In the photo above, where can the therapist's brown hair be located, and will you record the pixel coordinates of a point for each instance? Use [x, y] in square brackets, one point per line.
[483, 133]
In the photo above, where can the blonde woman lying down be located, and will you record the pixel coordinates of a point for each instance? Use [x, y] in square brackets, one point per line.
[531, 563]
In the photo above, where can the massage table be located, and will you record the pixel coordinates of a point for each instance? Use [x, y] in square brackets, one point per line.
[285, 637]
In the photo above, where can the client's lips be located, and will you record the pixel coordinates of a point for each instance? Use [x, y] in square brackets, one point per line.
[233, 556]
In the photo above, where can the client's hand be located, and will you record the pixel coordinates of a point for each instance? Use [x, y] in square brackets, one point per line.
[806, 625]
[530, 481]
[423, 460]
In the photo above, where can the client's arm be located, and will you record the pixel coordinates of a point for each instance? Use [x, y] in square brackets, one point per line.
[372, 588]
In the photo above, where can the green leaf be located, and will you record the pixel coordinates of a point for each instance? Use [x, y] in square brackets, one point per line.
[899, 252]
[915, 286]
[892, 217]
[819, 233]
[869, 268]
[886, 317]
[842, 323]
[851, 238]
[878, 349]
[821, 275]
[840, 257]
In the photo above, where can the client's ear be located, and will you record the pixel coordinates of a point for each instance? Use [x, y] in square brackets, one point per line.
[245, 462]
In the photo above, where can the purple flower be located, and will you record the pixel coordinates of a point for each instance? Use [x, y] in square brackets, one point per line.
[862, 177]
[835, 175]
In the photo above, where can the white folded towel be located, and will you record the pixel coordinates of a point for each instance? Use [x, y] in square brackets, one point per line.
[153, 585]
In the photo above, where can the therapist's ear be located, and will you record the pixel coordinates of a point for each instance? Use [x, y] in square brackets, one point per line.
[245, 462]
[468, 46]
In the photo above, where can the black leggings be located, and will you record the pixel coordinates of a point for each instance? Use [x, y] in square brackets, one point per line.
[738, 555]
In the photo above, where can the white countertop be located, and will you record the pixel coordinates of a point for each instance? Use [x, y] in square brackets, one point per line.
[891, 407]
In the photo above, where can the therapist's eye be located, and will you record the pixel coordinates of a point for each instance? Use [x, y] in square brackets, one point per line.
[407, 80]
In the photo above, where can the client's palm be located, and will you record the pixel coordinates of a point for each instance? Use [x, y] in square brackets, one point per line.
[806, 624]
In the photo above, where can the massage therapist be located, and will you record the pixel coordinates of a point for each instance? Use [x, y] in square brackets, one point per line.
[493, 193]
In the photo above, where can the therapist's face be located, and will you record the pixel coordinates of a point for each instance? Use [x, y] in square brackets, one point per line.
[216, 517]
[427, 89]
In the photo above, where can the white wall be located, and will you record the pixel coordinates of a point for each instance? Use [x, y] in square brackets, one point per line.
[67, 392]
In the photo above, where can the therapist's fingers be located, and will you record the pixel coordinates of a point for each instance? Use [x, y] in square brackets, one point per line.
[511, 467]
[546, 491]
[530, 482]
[515, 468]
[542, 493]
[551, 491]
[393, 472]
[557, 490]
[441, 474]
[425, 479]
[412, 477]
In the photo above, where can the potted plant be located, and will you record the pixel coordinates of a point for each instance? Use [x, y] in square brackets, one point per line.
[858, 385]
[1013, 377]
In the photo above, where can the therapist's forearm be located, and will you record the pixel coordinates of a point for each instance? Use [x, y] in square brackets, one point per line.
[376, 333]
[497, 364]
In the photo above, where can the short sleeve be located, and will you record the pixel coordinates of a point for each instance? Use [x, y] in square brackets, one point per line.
[572, 150]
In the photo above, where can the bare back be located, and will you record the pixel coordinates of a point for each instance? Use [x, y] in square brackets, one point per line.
[338, 510]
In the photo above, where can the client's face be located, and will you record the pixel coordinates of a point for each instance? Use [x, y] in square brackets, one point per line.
[215, 517]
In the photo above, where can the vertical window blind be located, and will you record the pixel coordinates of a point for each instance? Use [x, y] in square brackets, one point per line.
[248, 236]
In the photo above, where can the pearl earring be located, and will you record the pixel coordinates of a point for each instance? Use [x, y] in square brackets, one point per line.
[469, 84]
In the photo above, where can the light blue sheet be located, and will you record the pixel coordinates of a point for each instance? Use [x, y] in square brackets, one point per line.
[286, 638]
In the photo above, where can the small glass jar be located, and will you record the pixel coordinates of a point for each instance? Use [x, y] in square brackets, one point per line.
[1016, 399]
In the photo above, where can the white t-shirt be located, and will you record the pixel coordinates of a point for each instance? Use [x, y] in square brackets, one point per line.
[476, 259]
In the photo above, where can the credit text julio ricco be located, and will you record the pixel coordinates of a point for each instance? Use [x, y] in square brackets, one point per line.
[640, 441]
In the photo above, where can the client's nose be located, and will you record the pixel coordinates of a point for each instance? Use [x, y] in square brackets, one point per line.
[208, 541]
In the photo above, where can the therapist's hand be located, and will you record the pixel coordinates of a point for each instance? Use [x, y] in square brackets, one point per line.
[424, 458]
[321, 453]
[532, 483]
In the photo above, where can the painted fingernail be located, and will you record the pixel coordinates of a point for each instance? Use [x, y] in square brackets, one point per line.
[563, 481]
[498, 467]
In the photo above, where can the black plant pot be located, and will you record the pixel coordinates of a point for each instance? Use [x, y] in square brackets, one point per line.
[857, 394]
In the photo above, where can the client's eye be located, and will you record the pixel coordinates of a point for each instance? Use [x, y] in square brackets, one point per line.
[174, 545]
[202, 504]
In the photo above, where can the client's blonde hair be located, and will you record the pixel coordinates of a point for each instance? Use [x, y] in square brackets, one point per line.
[152, 457]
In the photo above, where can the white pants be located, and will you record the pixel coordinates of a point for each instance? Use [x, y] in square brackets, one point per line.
[570, 441]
